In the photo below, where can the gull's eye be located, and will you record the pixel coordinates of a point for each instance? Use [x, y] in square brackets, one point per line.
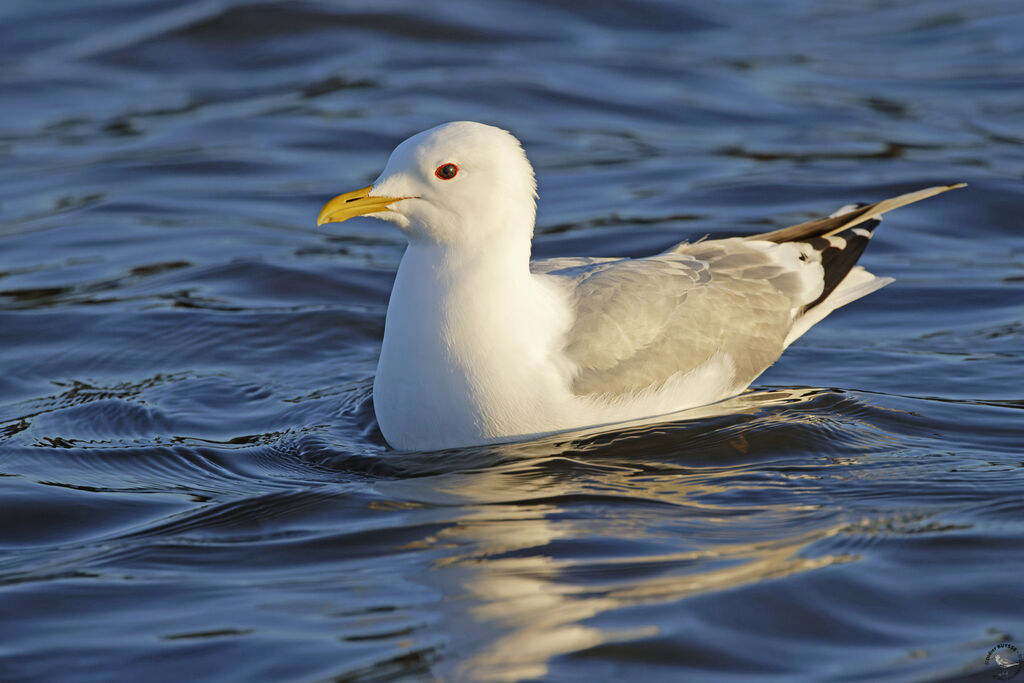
[446, 171]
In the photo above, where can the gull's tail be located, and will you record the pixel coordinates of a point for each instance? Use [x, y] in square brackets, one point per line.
[839, 241]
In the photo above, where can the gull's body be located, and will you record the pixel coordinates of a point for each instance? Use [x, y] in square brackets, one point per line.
[481, 345]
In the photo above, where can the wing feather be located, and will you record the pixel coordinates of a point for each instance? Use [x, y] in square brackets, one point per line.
[638, 322]
[735, 302]
[831, 225]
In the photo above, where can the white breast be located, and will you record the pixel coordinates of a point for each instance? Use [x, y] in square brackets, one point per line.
[460, 365]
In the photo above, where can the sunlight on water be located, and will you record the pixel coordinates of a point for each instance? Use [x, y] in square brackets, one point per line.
[191, 475]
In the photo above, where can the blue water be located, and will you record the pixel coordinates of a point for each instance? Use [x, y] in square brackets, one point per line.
[192, 484]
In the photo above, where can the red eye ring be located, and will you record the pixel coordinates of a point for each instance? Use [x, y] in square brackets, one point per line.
[446, 171]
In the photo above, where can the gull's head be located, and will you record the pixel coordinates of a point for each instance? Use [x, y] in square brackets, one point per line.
[453, 184]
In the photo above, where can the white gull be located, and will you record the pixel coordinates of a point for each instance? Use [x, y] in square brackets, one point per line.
[483, 345]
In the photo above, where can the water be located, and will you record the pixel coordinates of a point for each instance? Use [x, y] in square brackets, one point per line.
[192, 485]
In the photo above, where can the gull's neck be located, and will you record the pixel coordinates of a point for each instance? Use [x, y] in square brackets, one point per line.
[508, 253]
[464, 294]
[466, 326]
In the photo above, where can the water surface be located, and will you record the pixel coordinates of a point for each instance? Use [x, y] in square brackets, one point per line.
[192, 484]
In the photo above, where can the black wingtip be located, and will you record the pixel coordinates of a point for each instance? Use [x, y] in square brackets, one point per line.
[839, 254]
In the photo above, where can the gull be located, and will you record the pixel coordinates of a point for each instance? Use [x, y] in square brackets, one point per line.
[1005, 662]
[482, 345]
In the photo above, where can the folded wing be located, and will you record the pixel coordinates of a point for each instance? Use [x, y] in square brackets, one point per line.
[737, 302]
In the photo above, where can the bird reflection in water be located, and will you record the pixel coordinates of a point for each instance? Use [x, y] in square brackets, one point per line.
[535, 561]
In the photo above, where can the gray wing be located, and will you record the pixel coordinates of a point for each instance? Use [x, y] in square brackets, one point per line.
[640, 321]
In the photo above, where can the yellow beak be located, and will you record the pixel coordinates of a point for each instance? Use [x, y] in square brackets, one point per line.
[357, 203]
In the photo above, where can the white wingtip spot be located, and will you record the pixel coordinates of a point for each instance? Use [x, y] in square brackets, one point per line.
[861, 232]
[843, 210]
[837, 241]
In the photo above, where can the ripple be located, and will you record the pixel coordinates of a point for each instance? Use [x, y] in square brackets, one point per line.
[189, 460]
